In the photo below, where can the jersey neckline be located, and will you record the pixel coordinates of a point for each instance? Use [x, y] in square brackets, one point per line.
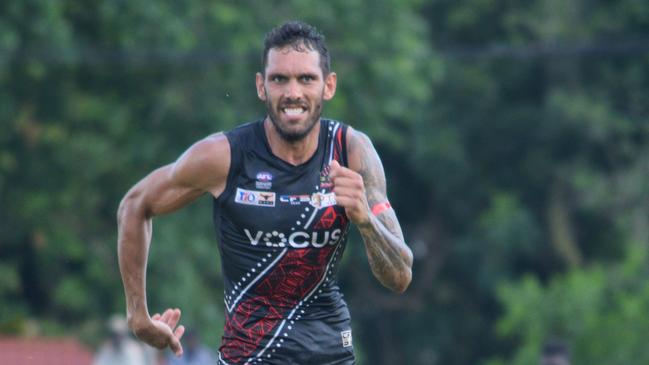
[261, 132]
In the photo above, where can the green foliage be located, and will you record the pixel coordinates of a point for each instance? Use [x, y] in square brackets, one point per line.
[599, 311]
[514, 136]
[95, 94]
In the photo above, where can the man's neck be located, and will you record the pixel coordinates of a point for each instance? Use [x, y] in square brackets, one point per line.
[297, 152]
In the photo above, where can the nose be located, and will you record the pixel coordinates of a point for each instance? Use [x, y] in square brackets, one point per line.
[293, 90]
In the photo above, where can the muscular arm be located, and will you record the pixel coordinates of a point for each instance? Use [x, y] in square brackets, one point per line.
[203, 168]
[389, 257]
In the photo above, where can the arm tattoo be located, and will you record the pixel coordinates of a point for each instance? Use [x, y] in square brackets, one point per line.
[388, 255]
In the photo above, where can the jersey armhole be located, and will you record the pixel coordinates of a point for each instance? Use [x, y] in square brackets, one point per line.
[235, 163]
[343, 146]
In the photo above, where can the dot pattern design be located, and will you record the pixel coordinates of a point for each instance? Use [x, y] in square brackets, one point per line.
[278, 241]
[296, 314]
[282, 334]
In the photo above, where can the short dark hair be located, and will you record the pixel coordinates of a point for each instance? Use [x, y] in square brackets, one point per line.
[298, 35]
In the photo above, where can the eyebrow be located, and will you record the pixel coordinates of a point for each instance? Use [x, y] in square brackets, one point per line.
[281, 74]
[274, 74]
[314, 75]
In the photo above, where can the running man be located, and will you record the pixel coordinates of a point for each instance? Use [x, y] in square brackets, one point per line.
[285, 189]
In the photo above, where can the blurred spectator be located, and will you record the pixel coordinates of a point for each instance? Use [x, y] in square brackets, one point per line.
[152, 356]
[119, 349]
[555, 353]
[194, 353]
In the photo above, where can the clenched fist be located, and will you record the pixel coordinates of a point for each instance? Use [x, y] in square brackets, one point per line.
[350, 193]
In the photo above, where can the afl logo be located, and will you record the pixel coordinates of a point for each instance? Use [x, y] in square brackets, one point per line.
[264, 180]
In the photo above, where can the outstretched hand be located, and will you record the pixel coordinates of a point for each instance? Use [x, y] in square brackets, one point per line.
[161, 331]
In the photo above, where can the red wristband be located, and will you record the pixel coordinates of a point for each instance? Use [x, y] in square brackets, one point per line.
[380, 207]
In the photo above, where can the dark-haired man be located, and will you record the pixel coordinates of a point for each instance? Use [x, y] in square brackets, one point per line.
[285, 189]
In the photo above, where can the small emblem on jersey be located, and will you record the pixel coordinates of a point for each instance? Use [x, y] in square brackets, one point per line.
[347, 338]
[295, 199]
[264, 180]
[325, 182]
[251, 197]
[322, 200]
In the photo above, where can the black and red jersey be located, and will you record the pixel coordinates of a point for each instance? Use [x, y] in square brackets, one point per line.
[281, 237]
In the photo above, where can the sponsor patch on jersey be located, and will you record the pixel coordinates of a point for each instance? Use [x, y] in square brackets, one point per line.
[264, 180]
[295, 239]
[347, 338]
[258, 198]
[323, 200]
[295, 199]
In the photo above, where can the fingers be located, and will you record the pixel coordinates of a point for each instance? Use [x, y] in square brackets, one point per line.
[350, 192]
[343, 176]
[179, 332]
[349, 189]
[166, 315]
[174, 343]
[348, 183]
[335, 170]
[173, 319]
[352, 182]
[350, 199]
[346, 202]
[170, 319]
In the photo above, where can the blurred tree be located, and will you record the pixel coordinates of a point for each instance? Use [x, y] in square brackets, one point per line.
[94, 94]
[514, 136]
[531, 131]
[598, 311]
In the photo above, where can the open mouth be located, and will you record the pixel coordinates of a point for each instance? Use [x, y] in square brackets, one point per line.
[293, 111]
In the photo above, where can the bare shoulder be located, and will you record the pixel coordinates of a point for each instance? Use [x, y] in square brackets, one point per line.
[205, 164]
[364, 159]
[360, 151]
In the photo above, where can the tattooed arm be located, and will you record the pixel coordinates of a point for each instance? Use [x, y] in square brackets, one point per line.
[357, 189]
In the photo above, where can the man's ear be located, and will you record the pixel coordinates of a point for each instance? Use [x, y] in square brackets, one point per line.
[261, 90]
[330, 85]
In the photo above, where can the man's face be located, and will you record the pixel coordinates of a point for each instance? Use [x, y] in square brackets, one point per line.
[293, 88]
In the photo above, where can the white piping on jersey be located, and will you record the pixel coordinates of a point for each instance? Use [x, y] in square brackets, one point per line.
[253, 281]
[221, 360]
[281, 325]
[318, 285]
[331, 156]
[333, 142]
[315, 211]
[333, 255]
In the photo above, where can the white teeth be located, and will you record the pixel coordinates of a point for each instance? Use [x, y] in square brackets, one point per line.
[293, 111]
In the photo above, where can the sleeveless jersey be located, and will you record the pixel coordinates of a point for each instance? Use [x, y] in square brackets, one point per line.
[281, 236]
